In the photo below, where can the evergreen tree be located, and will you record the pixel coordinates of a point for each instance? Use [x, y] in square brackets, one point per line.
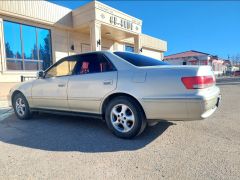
[9, 52]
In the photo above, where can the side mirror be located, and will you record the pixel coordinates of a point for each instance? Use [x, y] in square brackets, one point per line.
[40, 74]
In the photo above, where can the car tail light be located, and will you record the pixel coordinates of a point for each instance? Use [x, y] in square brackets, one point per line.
[198, 82]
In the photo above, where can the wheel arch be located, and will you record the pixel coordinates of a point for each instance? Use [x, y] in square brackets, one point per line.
[15, 93]
[114, 95]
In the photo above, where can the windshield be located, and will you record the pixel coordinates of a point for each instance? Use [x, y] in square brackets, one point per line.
[139, 60]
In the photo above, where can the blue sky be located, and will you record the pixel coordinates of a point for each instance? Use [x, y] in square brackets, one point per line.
[208, 26]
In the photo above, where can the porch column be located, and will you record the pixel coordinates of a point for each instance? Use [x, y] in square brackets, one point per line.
[137, 44]
[95, 36]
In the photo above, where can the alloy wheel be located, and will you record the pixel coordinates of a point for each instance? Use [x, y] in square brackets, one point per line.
[20, 106]
[122, 118]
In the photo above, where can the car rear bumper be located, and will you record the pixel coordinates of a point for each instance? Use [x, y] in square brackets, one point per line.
[204, 108]
[182, 108]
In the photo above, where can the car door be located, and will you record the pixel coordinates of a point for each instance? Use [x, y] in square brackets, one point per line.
[95, 76]
[51, 91]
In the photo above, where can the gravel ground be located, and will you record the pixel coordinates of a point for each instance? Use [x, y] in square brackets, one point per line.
[62, 147]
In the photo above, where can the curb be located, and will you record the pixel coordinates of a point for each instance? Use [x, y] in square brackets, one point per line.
[6, 114]
[5, 110]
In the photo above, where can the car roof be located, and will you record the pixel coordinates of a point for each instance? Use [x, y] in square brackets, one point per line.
[86, 53]
[120, 63]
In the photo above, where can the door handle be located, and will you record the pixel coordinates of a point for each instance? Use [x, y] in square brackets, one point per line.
[61, 85]
[108, 82]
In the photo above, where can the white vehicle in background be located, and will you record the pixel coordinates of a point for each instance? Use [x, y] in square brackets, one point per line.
[127, 90]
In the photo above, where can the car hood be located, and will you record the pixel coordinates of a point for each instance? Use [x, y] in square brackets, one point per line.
[22, 84]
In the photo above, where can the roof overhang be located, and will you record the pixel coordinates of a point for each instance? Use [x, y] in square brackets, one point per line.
[149, 42]
[37, 11]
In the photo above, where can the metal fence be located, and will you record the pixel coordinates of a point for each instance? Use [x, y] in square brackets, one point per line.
[26, 78]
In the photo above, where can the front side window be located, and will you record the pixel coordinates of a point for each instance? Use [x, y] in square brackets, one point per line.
[93, 63]
[27, 47]
[139, 60]
[64, 68]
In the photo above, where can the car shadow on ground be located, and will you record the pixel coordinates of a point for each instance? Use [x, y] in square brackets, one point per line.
[67, 133]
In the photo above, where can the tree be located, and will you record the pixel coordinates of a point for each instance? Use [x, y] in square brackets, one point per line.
[18, 55]
[44, 52]
[235, 59]
[35, 52]
[9, 52]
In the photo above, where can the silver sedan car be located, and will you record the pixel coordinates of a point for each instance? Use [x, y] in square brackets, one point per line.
[125, 89]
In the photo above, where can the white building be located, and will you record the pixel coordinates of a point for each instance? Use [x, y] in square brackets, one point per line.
[35, 34]
[197, 58]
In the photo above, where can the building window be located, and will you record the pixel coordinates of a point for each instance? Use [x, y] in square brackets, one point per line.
[27, 47]
[129, 48]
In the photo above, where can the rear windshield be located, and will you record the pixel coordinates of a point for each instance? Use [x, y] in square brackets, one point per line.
[139, 60]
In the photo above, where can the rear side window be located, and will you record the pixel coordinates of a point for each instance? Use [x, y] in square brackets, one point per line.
[93, 63]
[139, 60]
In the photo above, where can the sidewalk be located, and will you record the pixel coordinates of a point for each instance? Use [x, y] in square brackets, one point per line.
[5, 110]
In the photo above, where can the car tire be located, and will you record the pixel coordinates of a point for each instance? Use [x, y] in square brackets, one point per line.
[21, 107]
[125, 117]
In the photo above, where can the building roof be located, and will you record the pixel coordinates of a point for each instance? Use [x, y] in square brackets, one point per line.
[186, 54]
[227, 62]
